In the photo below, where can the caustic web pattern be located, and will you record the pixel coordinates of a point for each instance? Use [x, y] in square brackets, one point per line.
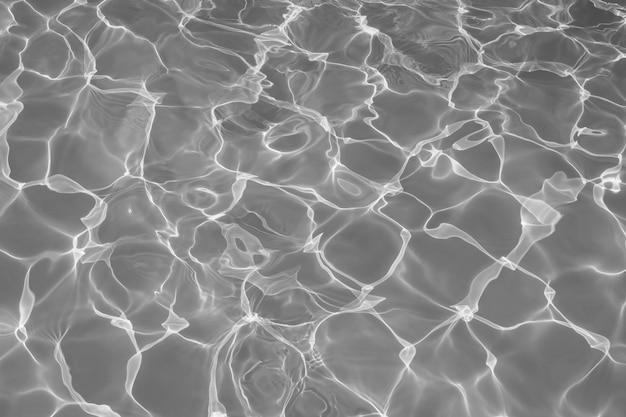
[306, 208]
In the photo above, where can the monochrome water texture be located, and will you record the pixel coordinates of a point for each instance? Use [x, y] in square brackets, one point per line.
[307, 208]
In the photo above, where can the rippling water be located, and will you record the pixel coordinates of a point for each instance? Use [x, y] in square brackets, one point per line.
[267, 208]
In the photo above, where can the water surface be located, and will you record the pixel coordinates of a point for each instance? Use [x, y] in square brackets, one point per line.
[268, 208]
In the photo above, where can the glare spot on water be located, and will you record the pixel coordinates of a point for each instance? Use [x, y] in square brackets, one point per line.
[465, 313]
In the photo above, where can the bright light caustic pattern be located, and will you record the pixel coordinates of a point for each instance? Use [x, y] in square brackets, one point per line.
[342, 208]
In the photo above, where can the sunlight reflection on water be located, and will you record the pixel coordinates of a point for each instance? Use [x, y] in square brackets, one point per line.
[264, 208]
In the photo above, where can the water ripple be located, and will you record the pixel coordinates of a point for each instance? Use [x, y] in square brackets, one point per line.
[264, 208]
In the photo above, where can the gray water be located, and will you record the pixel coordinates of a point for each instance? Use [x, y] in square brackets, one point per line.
[268, 208]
